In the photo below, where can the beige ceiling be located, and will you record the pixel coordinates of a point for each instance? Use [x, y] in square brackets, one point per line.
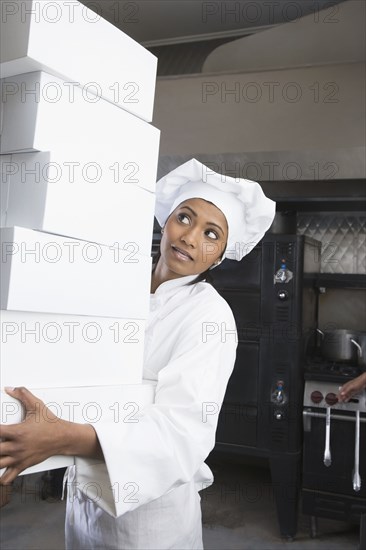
[154, 22]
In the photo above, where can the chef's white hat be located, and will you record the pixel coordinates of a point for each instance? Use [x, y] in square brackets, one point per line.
[249, 213]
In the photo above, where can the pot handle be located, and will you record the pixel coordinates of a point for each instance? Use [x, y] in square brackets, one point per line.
[359, 349]
[320, 332]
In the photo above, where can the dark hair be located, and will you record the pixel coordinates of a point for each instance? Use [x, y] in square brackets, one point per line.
[205, 276]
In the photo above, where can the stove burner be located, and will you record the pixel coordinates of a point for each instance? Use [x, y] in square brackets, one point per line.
[317, 368]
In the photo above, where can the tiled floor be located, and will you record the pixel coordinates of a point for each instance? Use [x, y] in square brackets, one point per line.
[238, 514]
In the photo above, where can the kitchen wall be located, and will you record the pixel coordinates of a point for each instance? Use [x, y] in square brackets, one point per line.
[280, 110]
[342, 308]
[292, 93]
[284, 104]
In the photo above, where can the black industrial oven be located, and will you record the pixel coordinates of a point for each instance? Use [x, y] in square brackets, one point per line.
[275, 309]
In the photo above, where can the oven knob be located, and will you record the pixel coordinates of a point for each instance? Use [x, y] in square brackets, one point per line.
[316, 396]
[331, 399]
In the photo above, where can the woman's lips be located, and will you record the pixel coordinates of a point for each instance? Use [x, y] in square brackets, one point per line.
[181, 254]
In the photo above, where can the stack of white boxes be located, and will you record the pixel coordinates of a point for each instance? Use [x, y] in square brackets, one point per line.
[78, 167]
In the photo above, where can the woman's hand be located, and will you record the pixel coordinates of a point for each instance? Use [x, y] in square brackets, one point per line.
[41, 435]
[31, 441]
[352, 388]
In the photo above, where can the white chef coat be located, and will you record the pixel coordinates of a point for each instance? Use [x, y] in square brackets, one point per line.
[157, 464]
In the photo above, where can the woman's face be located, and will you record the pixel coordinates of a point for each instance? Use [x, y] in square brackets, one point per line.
[194, 238]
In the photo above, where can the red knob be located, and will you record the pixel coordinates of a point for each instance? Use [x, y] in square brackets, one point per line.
[316, 396]
[331, 398]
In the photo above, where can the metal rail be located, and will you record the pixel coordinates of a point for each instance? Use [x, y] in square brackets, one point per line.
[334, 416]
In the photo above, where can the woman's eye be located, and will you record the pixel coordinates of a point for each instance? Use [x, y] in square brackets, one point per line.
[211, 234]
[183, 218]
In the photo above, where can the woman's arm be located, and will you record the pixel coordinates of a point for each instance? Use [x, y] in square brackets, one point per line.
[166, 443]
[352, 387]
[41, 435]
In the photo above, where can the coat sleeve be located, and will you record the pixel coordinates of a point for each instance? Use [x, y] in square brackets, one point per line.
[174, 435]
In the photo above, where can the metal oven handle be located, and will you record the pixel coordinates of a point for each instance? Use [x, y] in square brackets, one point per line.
[308, 415]
[327, 454]
[356, 470]
[334, 416]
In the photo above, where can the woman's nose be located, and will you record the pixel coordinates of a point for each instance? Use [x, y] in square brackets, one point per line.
[190, 237]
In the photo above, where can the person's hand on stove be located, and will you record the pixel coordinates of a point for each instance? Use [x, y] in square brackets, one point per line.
[352, 388]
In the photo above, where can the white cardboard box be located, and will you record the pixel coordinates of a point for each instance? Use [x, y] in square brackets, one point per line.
[4, 187]
[41, 350]
[43, 272]
[72, 42]
[73, 126]
[83, 405]
[43, 192]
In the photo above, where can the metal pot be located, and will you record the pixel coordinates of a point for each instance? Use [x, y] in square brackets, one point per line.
[339, 345]
[360, 342]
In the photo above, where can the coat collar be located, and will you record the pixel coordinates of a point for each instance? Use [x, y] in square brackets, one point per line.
[173, 284]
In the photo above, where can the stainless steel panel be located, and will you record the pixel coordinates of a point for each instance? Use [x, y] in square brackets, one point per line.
[343, 238]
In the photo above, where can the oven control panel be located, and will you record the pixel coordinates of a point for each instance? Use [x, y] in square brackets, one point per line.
[324, 394]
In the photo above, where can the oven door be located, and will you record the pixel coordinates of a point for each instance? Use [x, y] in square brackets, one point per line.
[328, 490]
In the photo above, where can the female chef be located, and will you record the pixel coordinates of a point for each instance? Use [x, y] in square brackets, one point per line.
[155, 466]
